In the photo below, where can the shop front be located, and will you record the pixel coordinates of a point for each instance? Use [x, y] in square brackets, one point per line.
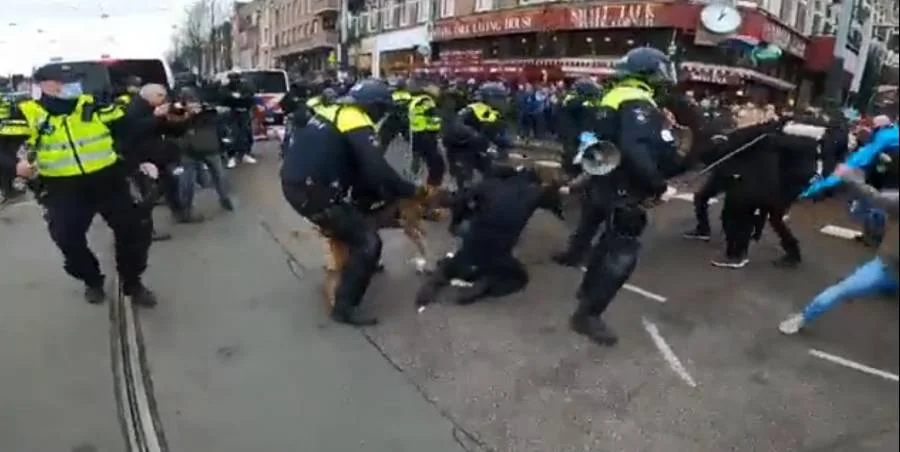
[399, 52]
[559, 41]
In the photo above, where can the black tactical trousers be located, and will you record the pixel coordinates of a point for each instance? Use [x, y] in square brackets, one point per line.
[425, 146]
[69, 215]
[343, 222]
[712, 187]
[740, 217]
[593, 214]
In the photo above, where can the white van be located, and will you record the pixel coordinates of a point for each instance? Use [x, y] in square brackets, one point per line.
[103, 76]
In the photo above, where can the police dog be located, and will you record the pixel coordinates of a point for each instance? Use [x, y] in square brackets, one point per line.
[406, 214]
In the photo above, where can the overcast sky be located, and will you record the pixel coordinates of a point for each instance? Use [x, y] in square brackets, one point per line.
[44, 29]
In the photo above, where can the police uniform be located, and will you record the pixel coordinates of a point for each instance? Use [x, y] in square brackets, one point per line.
[81, 175]
[468, 138]
[632, 122]
[425, 126]
[333, 164]
[396, 122]
[12, 133]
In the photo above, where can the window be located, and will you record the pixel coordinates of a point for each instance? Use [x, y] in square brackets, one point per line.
[816, 25]
[448, 8]
[315, 26]
[484, 5]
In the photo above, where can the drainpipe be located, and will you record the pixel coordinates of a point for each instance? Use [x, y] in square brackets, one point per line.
[344, 23]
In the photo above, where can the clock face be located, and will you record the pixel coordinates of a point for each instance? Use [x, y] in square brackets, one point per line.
[721, 19]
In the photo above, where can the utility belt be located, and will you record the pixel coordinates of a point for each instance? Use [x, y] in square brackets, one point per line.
[312, 199]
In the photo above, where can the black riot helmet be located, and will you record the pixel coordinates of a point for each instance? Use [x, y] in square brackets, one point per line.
[329, 96]
[132, 84]
[424, 86]
[373, 96]
[493, 94]
[649, 65]
[586, 88]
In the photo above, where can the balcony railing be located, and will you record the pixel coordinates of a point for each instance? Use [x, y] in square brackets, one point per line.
[324, 38]
[391, 17]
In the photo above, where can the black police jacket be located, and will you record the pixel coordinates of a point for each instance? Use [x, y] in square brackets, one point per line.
[339, 154]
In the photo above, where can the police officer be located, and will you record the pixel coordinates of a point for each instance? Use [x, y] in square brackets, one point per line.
[12, 135]
[238, 97]
[580, 113]
[468, 137]
[337, 154]
[325, 99]
[425, 127]
[634, 125]
[132, 87]
[81, 175]
[396, 122]
[496, 211]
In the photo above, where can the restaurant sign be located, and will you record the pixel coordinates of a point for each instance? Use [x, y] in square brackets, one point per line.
[612, 15]
[784, 38]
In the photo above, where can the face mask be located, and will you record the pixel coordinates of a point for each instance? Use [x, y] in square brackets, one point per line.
[70, 91]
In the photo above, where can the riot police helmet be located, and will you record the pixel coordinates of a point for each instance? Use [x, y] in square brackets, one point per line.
[493, 94]
[373, 96]
[329, 96]
[649, 65]
[586, 88]
[424, 86]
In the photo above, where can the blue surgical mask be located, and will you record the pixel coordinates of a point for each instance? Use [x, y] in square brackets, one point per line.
[70, 91]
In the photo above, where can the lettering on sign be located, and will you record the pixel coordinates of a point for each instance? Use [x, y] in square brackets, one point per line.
[782, 37]
[488, 25]
[628, 15]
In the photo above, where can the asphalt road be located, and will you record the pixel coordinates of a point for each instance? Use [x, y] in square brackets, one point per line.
[242, 356]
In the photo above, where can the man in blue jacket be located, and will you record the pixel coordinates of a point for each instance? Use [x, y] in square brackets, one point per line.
[883, 145]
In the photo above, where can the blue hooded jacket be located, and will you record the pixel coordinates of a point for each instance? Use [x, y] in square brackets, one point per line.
[884, 139]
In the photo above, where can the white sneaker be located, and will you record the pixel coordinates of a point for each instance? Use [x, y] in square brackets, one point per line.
[249, 159]
[231, 163]
[792, 325]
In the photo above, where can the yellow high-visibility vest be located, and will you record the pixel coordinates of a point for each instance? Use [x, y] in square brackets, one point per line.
[419, 120]
[71, 145]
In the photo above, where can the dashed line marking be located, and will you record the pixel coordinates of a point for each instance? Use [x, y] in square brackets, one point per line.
[646, 293]
[840, 232]
[854, 365]
[667, 353]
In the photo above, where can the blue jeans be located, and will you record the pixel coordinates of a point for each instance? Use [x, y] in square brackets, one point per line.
[873, 219]
[871, 278]
[187, 182]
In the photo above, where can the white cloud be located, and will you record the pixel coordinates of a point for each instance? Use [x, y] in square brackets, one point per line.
[34, 31]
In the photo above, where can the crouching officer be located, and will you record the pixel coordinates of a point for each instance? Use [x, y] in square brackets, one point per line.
[81, 175]
[469, 136]
[631, 128]
[425, 126]
[335, 154]
[495, 212]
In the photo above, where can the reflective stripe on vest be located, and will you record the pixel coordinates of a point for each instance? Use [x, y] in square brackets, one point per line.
[345, 117]
[484, 112]
[620, 94]
[419, 120]
[14, 128]
[68, 146]
[400, 96]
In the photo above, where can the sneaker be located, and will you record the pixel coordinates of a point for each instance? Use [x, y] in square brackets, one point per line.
[697, 234]
[792, 325]
[231, 163]
[730, 262]
[140, 295]
[94, 295]
[248, 159]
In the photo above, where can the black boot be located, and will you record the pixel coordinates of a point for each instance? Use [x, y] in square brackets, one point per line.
[698, 233]
[94, 294]
[160, 236]
[226, 204]
[187, 216]
[352, 317]
[468, 295]
[594, 328]
[140, 295]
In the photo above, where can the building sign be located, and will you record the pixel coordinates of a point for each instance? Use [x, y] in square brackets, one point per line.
[784, 38]
[623, 15]
[550, 18]
[488, 24]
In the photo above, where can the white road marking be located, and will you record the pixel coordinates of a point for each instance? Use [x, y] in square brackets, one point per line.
[840, 232]
[854, 365]
[646, 293]
[667, 353]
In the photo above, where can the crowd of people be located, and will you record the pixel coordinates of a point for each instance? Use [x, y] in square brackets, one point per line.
[621, 143]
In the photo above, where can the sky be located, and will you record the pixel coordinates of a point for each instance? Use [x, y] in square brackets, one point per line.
[34, 31]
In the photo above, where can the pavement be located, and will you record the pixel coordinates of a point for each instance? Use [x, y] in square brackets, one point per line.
[242, 356]
[57, 386]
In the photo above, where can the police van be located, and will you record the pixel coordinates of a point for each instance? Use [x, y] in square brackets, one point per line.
[104, 77]
[269, 86]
